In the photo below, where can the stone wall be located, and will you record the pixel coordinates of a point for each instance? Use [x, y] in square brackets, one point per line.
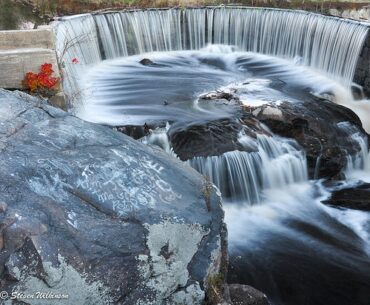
[362, 73]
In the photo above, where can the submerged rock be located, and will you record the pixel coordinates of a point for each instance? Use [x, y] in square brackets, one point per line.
[146, 62]
[149, 63]
[95, 217]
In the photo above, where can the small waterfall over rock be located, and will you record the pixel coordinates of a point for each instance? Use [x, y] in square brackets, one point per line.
[242, 176]
[360, 161]
[327, 44]
[159, 138]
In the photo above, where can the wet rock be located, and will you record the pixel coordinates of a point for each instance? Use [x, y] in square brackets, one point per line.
[99, 217]
[146, 62]
[149, 63]
[357, 198]
[246, 295]
[138, 132]
[221, 97]
[319, 128]
[3, 206]
[213, 138]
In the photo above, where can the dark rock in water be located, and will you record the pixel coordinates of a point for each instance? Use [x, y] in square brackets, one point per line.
[137, 132]
[357, 92]
[357, 198]
[150, 63]
[246, 295]
[212, 138]
[146, 62]
[209, 139]
[90, 213]
[316, 126]
[220, 97]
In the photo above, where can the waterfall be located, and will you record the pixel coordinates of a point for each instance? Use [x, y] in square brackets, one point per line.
[76, 39]
[328, 44]
[242, 176]
[159, 138]
[361, 160]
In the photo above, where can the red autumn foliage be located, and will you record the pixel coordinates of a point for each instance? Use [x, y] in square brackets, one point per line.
[31, 81]
[47, 69]
[41, 80]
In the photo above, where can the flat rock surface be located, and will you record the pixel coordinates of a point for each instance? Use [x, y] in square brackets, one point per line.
[90, 213]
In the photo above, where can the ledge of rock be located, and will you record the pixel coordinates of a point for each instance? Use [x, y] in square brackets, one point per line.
[91, 213]
[213, 138]
[357, 197]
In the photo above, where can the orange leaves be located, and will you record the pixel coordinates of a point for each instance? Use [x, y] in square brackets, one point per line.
[31, 81]
[42, 80]
[46, 69]
[46, 81]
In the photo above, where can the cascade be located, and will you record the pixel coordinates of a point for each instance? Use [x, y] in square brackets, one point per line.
[360, 161]
[242, 176]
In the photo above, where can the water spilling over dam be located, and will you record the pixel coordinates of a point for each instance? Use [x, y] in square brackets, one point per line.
[211, 87]
[328, 44]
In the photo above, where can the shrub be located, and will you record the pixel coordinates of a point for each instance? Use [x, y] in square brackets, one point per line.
[43, 82]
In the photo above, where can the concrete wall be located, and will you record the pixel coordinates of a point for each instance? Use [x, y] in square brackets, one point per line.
[40, 38]
[24, 51]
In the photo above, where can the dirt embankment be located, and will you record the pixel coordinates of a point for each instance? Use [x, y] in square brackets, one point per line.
[16, 14]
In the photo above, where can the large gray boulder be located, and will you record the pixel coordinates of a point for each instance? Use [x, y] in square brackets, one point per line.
[89, 213]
